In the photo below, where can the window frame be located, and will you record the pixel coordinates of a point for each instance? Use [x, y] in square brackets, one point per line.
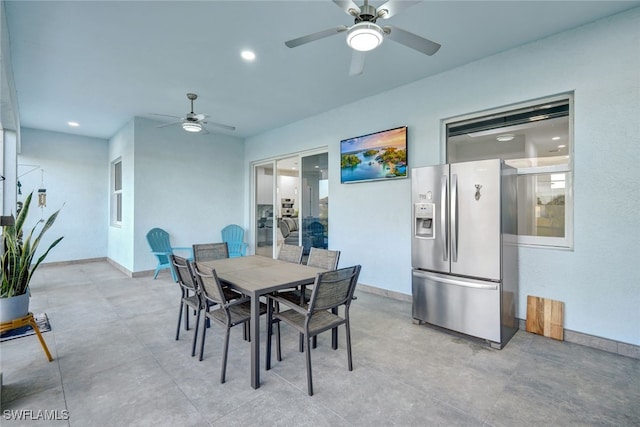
[116, 193]
[566, 242]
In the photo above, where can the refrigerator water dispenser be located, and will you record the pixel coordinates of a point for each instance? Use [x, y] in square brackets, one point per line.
[423, 216]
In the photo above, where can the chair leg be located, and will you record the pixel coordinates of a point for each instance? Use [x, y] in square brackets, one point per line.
[267, 359]
[246, 331]
[195, 334]
[278, 347]
[300, 342]
[309, 379]
[224, 357]
[179, 320]
[204, 334]
[348, 333]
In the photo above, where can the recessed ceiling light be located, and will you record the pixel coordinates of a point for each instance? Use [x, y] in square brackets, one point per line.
[561, 146]
[555, 138]
[505, 137]
[73, 124]
[248, 55]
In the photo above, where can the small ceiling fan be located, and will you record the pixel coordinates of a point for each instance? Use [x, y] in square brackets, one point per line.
[193, 122]
[366, 35]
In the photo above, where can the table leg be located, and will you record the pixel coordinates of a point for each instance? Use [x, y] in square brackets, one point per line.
[255, 341]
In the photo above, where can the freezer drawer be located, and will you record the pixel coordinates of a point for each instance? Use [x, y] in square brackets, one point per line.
[467, 306]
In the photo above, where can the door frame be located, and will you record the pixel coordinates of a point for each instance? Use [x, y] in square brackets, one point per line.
[253, 193]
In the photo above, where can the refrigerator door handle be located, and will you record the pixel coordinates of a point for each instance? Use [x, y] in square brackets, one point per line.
[463, 283]
[444, 238]
[454, 217]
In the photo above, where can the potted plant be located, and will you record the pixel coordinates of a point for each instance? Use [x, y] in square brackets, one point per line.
[17, 267]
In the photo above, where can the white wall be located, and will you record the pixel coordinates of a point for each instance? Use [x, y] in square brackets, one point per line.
[599, 279]
[75, 175]
[188, 184]
[120, 238]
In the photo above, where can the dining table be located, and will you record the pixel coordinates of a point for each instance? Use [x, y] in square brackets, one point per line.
[257, 276]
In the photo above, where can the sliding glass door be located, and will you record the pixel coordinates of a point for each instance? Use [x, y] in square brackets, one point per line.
[315, 202]
[291, 197]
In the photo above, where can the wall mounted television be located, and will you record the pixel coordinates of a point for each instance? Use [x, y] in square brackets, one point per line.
[375, 156]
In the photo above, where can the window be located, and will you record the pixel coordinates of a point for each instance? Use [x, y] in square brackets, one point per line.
[116, 192]
[537, 139]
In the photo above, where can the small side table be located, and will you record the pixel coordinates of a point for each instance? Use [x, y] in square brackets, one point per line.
[27, 320]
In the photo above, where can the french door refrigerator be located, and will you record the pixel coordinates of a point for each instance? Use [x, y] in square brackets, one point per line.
[463, 249]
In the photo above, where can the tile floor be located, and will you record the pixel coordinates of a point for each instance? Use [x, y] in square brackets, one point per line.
[117, 364]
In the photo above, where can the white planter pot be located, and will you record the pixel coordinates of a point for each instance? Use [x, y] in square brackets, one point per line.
[14, 307]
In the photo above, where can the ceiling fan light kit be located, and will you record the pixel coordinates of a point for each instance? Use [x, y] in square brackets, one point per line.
[192, 126]
[365, 36]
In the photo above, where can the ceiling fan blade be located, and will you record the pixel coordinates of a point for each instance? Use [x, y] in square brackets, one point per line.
[411, 40]
[315, 36]
[357, 63]
[169, 124]
[347, 5]
[394, 6]
[220, 125]
[165, 115]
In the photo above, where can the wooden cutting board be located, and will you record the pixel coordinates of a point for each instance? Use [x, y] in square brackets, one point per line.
[545, 317]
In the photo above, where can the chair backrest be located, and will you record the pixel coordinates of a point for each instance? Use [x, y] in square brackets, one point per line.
[233, 235]
[323, 258]
[210, 251]
[159, 242]
[209, 284]
[334, 288]
[291, 253]
[183, 272]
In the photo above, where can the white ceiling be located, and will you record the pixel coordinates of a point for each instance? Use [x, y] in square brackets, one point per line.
[100, 63]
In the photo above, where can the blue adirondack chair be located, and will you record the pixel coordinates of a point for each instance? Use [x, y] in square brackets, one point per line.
[161, 247]
[234, 236]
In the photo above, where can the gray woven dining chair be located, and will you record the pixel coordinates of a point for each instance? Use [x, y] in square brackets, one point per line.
[323, 258]
[291, 253]
[220, 310]
[210, 251]
[190, 296]
[331, 290]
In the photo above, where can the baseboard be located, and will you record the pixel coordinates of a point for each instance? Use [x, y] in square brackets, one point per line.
[75, 261]
[384, 292]
[129, 273]
[604, 344]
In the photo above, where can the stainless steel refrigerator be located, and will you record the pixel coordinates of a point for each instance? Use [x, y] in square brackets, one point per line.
[463, 249]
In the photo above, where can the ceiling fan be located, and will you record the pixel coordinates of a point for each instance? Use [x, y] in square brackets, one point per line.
[193, 122]
[366, 34]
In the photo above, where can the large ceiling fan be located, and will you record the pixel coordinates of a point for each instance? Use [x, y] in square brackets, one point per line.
[366, 34]
[193, 122]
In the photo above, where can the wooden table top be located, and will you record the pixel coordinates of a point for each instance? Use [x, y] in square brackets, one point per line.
[259, 275]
